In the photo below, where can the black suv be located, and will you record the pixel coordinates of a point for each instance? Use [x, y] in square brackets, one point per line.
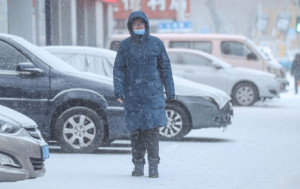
[75, 108]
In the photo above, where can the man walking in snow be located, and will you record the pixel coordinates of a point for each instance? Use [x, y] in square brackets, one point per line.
[141, 70]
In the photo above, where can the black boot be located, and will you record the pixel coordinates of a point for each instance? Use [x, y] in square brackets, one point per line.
[153, 167]
[138, 167]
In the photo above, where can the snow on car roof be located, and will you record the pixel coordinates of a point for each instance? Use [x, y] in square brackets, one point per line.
[42, 54]
[81, 49]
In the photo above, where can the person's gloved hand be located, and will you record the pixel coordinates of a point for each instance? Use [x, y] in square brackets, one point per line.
[171, 100]
[120, 100]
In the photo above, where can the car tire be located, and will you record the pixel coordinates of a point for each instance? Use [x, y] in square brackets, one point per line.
[178, 123]
[244, 94]
[79, 130]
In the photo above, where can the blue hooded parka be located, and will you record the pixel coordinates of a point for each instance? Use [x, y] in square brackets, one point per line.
[141, 71]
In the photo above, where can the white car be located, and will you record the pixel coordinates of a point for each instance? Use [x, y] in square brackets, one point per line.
[268, 56]
[196, 106]
[245, 86]
[22, 148]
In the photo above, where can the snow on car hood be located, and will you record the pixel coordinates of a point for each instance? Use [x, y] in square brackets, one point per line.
[93, 76]
[15, 117]
[274, 63]
[246, 72]
[184, 87]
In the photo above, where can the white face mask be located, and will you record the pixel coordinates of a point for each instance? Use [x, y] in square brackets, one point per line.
[139, 32]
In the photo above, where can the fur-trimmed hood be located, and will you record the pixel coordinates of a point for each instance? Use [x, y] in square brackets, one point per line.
[134, 15]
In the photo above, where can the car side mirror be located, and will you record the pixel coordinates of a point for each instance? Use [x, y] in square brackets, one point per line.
[251, 56]
[27, 68]
[217, 67]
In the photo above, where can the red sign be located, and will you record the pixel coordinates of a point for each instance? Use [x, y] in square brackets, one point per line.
[152, 8]
[109, 1]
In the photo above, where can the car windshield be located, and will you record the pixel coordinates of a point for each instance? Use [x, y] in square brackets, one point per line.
[86, 59]
[217, 61]
[46, 57]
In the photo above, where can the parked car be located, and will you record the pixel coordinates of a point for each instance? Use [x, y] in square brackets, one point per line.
[236, 50]
[245, 86]
[74, 108]
[22, 147]
[196, 106]
[268, 55]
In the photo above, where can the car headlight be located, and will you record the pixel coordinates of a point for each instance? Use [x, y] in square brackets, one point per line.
[275, 71]
[6, 160]
[211, 100]
[6, 127]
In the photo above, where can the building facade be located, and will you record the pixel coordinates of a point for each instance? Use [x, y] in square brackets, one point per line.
[58, 22]
[90, 22]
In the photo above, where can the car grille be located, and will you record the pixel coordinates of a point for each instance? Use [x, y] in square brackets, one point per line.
[33, 133]
[228, 113]
[37, 163]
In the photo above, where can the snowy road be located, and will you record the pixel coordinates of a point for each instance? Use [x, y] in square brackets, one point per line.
[260, 150]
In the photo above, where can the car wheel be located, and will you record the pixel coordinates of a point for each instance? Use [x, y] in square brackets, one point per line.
[244, 94]
[178, 123]
[79, 129]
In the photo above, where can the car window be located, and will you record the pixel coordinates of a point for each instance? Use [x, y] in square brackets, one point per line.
[46, 57]
[193, 59]
[10, 57]
[235, 49]
[198, 45]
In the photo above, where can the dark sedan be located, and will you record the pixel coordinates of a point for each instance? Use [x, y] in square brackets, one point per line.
[76, 109]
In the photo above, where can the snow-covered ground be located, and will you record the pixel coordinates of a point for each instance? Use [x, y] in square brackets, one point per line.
[260, 150]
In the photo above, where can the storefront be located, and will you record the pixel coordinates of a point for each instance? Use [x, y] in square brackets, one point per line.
[78, 22]
[58, 22]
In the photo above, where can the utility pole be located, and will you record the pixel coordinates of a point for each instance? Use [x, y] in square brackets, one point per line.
[48, 21]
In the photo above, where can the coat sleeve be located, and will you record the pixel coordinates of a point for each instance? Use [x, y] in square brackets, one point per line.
[119, 73]
[165, 70]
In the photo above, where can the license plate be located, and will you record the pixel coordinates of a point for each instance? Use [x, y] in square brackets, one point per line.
[45, 152]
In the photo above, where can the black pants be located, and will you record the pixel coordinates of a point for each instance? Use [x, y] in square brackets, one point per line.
[145, 140]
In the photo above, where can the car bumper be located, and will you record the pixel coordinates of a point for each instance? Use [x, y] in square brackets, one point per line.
[283, 84]
[269, 88]
[206, 114]
[26, 152]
